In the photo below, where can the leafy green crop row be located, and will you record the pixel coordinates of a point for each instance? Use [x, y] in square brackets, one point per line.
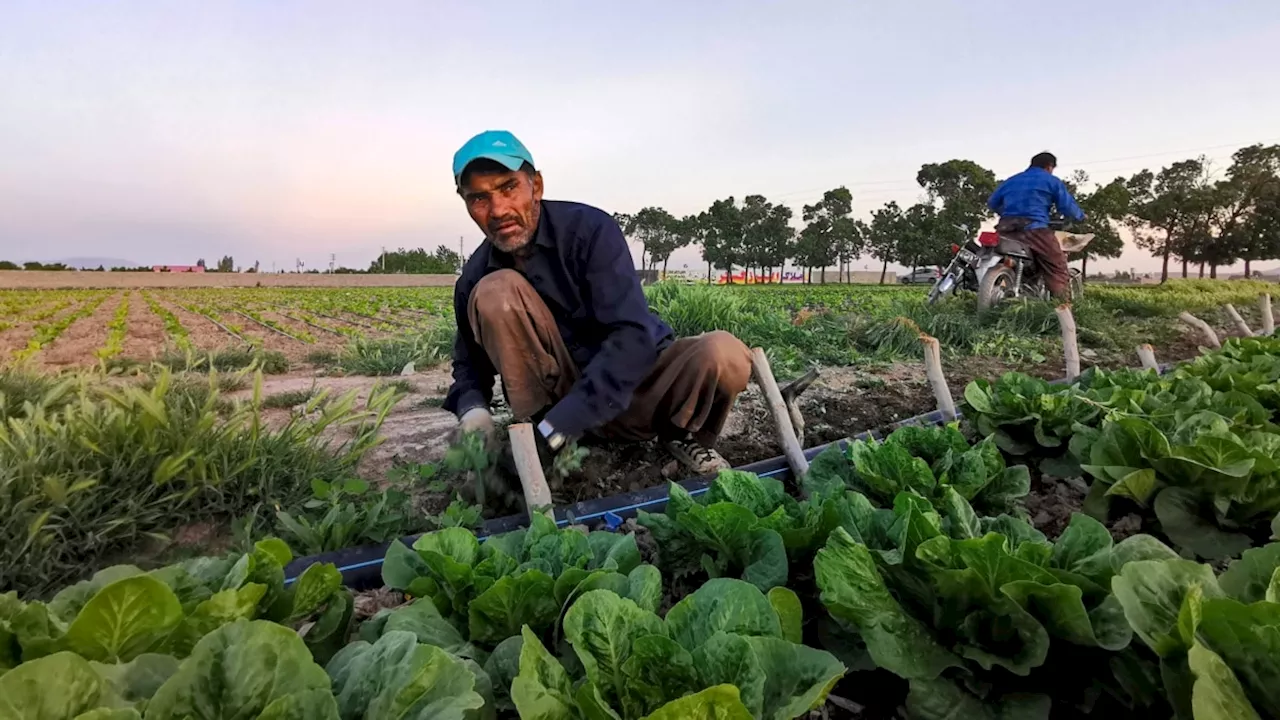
[549, 623]
[47, 332]
[116, 331]
[1196, 450]
[172, 325]
[980, 618]
[984, 617]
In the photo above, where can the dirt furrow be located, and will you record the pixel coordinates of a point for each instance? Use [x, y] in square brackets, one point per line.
[323, 340]
[145, 338]
[16, 338]
[268, 339]
[78, 343]
[204, 334]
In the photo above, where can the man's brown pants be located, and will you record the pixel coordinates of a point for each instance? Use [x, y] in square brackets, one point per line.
[690, 389]
[1051, 259]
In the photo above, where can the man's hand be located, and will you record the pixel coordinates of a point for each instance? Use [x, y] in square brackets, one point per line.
[477, 420]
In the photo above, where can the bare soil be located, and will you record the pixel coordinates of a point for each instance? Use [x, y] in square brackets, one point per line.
[78, 343]
[146, 337]
[201, 331]
[323, 340]
[16, 338]
[842, 402]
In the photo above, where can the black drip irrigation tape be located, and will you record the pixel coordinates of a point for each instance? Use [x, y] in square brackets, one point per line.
[361, 567]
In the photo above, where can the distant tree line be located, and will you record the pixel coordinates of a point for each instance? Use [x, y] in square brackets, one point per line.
[1185, 212]
[441, 262]
[1182, 212]
[417, 262]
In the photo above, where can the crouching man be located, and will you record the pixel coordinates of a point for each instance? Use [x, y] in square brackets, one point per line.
[552, 304]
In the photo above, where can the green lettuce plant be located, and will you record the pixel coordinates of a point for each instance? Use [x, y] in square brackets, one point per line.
[123, 614]
[1025, 414]
[926, 460]
[722, 648]
[731, 531]
[526, 577]
[1217, 636]
[979, 614]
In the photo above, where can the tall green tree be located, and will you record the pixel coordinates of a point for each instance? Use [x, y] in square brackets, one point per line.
[687, 231]
[653, 227]
[1105, 208]
[830, 235]
[767, 234]
[925, 236]
[1244, 214]
[958, 190]
[670, 235]
[226, 264]
[1165, 208]
[722, 236]
[884, 235]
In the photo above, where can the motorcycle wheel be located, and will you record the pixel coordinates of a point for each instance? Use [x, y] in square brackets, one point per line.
[995, 287]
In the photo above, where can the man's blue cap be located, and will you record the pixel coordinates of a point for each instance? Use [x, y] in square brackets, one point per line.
[497, 145]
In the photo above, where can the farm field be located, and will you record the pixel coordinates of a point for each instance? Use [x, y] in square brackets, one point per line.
[255, 400]
[832, 325]
[910, 577]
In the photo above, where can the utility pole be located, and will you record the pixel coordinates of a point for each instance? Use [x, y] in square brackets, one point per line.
[332, 258]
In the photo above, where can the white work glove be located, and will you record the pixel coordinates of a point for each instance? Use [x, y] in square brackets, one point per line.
[477, 419]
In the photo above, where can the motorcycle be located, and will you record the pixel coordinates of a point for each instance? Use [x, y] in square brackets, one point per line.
[996, 267]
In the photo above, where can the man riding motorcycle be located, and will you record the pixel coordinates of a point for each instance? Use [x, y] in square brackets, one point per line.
[1023, 203]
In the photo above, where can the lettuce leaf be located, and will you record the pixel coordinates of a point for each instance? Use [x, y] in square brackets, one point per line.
[246, 669]
[398, 677]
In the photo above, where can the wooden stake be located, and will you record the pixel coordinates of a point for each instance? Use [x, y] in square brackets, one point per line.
[791, 394]
[1268, 323]
[1147, 355]
[781, 418]
[1210, 337]
[524, 451]
[1070, 349]
[933, 370]
[1239, 321]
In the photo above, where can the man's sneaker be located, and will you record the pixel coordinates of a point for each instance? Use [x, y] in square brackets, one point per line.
[700, 460]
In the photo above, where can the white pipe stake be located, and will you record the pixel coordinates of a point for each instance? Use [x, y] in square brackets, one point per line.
[1147, 355]
[937, 380]
[781, 418]
[524, 450]
[1070, 348]
[1241, 325]
[1210, 337]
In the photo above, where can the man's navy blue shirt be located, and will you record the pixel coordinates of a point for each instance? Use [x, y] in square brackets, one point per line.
[1030, 194]
[581, 267]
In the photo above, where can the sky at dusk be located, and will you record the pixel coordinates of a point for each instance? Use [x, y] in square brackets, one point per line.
[163, 132]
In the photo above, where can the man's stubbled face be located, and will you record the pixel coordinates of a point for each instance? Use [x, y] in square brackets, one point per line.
[505, 205]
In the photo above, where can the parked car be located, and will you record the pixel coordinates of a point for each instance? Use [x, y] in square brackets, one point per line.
[920, 276]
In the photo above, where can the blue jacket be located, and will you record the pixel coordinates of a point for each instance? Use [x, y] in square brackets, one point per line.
[1030, 194]
[583, 270]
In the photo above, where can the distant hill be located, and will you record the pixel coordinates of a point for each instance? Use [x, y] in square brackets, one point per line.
[92, 263]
